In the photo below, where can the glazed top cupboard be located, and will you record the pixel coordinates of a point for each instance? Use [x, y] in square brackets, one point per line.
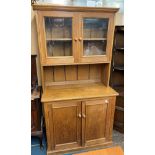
[71, 35]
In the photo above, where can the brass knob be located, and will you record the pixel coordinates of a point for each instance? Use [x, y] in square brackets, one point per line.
[75, 39]
[106, 101]
[79, 115]
[80, 39]
[83, 115]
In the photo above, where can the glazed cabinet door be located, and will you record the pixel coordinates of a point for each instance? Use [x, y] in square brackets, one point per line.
[97, 121]
[57, 37]
[64, 125]
[95, 37]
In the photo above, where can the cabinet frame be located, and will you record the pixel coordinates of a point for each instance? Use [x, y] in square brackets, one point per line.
[93, 90]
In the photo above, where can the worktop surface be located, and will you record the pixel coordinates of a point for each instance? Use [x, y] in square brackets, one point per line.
[78, 91]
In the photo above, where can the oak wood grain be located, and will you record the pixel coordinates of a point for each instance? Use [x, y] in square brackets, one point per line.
[49, 7]
[71, 92]
[76, 87]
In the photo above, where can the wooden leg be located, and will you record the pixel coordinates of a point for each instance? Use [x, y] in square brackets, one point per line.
[41, 144]
[41, 136]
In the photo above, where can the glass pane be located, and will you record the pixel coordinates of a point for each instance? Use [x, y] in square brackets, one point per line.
[95, 27]
[58, 36]
[95, 36]
[94, 47]
[59, 48]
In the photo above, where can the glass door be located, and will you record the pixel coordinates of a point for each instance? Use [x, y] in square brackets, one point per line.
[58, 36]
[58, 33]
[94, 37]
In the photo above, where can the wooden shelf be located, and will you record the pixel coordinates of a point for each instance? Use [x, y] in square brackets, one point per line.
[119, 108]
[120, 90]
[117, 86]
[58, 39]
[120, 28]
[97, 39]
[119, 49]
[77, 91]
[120, 68]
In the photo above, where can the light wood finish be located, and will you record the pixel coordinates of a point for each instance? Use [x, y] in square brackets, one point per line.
[45, 59]
[75, 74]
[97, 58]
[95, 71]
[106, 74]
[77, 34]
[94, 121]
[83, 72]
[59, 73]
[109, 151]
[65, 124]
[71, 73]
[49, 7]
[83, 91]
[66, 150]
[59, 39]
[49, 72]
[78, 103]
[76, 123]
[92, 39]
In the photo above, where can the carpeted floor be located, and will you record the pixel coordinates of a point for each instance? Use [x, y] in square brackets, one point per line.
[118, 139]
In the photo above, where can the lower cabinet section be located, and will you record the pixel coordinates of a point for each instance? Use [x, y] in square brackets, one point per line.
[78, 124]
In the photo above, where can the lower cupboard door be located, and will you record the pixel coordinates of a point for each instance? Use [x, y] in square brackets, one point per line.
[66, 124]
[96, 121]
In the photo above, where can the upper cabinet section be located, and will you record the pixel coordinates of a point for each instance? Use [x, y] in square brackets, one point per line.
[74, 35]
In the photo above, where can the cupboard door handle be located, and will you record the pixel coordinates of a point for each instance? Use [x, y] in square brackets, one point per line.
[80, 39]
[106, 101]
[75, 39]
[79, 115]
[83, 115]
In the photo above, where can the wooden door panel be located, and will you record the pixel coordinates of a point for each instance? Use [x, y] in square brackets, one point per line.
[97, 124]
[66, 124]
[95, 121]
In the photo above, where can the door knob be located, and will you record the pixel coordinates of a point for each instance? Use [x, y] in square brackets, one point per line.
[79, 115]
[75, 39]
[83, 115]
[106, 101]
[80, 39]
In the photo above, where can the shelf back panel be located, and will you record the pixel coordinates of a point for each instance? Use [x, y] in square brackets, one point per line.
[77, 74]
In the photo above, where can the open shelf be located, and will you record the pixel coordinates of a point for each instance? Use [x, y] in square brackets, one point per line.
[120, 90]
[119, 49]
[77, 91]
[115, 86]
[95, 39]
[120, 68]
[59, 39]
[120, 28]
